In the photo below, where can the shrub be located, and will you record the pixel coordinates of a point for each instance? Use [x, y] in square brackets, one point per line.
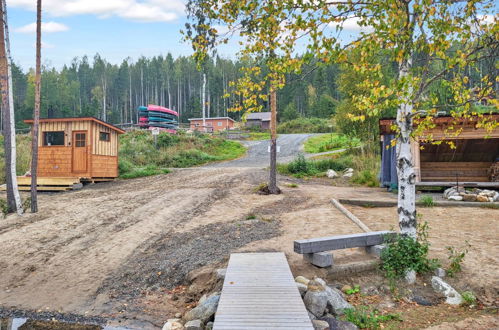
[469, 298]
[167, 140]
[366, 178]
[301, 166]
[456, 258]
[427, 201]
[124, 166]
[328, 142]
[403, 253]
[368, 319]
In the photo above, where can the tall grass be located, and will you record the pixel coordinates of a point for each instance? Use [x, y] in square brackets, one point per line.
[329, 142]
[23, 155]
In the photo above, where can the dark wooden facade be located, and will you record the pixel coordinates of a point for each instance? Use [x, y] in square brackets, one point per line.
[471, 158]
[77, 147]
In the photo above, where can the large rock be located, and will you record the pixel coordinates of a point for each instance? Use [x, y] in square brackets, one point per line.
[194, 325]
[203, 311]
[469, 197]
[335, 324]
[331, 174]
[452, 296]
[315, 286]
[455, 198]
[335, 301]
[482, 198]
[173, 324]
[301, 279]
[302, 288]
[410, 276]
[208, 326]
[316, 302]
[320, 325]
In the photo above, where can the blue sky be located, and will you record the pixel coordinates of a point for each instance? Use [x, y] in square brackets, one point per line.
[116, 29]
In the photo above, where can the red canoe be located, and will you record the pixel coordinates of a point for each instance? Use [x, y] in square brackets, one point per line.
[152, 107]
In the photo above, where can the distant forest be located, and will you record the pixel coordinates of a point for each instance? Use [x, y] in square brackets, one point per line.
[94, 87]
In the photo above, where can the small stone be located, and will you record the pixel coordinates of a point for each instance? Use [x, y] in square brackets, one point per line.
[439, 285]
[203, 311]
[221, 273]
[320, 325]
[194, 325]
[301, 279]
[410, 276]
[421, 301]
[173, 324]
[440, 272]
[302, 288]
[315, 286]
[346, 288]
[331, 174]
[316, 302]
[386, 303]
[482, 198]
[178, 315]
[348, 175]
[455, 198]
[339, 325]
[369, 290]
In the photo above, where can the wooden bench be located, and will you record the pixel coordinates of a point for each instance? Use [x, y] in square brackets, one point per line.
[315, 250]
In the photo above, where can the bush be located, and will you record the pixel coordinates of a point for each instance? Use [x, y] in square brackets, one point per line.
[368, 319]
[456, 258]
[124, 166]
[167, 140]
[329, 142]
[403, 253]
[469, 298]
[366, 178]
[427, 201]
[305, 125]
[301, 166]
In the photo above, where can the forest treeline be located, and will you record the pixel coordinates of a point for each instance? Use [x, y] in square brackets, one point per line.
[112, 92]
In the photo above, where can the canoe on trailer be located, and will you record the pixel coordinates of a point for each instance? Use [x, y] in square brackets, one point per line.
[162, 115]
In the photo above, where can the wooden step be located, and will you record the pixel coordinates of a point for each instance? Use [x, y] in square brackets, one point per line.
[48, 181]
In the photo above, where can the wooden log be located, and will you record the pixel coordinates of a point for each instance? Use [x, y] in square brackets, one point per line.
[331, 243]
[350, 215]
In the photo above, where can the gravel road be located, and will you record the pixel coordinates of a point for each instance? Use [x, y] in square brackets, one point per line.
[258, 154]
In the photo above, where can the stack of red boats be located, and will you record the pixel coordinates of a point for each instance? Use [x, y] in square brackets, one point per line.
[157, 117]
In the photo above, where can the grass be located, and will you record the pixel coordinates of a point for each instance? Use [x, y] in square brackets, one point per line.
[140, 157]
[329, 142]
[23, 155]
[427, 201]
[302, 167]
[258, 136]
[365, 318]
[490, 206]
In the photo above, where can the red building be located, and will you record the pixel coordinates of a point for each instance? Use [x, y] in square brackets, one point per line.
[212, 124]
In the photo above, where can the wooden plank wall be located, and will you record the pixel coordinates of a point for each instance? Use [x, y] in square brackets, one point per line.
[104, 166]
[446, 171]
[55, 161]
[104, 148]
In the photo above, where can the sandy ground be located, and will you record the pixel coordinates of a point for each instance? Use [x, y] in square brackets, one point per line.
[83, 249]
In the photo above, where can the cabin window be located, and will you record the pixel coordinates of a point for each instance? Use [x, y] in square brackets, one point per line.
[53, 138]
[103, 136]
[219, 123]
[80, 139]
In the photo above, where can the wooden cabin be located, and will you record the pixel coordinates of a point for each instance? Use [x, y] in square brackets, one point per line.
[84, 148]
[473, 159]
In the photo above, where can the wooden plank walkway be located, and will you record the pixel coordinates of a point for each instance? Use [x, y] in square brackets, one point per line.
[259, 292]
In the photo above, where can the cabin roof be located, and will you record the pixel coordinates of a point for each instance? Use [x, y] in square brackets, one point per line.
[263, 116]
[70, 119]
[211, 118]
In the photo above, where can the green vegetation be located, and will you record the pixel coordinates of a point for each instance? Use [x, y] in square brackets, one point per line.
[456, 258]
[139, 156]
[305, 125]
[302, 167]
[292, 185]
[469, 298]
[490, 206]
[258, 136]
[427, 201]
[365, 318]
[329, 142]
[403, 253]
[251, 217]
[354, 290]
[23, 155]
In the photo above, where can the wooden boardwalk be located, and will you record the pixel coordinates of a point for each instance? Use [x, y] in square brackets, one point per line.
[259, 292]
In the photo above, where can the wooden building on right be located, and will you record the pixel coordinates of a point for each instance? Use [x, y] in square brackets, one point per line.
[470, 158]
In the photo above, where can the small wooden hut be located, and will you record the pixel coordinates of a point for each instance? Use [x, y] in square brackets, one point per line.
[83, 148]
[472, 161]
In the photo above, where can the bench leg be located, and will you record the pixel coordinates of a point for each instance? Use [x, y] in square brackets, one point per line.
[375, 249]
[319, 259]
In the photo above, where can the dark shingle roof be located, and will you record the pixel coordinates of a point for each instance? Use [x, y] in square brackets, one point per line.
[263, 116]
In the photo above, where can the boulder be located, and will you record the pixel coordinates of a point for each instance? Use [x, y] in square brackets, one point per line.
[320, 281]
[316, 302]
[315, 286]
[335, 324]
[452, 296]
[410, 276]
[421, 300]
[331, 174]
[482, 198]
[204, 311]
[320, 325]
[173, 324]
[193, 325]
[348, 175]
[440, 272]
[469, 197]
[335, 301]
[301, 279]
[455, 198]
[302, 288]
[311, 316]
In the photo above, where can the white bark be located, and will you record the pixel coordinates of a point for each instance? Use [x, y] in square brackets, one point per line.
[405, 169]
[12, 123]
[204, 101]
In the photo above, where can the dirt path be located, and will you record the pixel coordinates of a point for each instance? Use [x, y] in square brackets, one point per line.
[88, 251]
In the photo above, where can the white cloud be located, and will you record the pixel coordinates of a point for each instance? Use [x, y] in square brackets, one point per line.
[47, 27]
[135, 10]
[351, 24]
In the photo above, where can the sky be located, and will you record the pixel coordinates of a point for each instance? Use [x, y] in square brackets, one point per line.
[116, 29]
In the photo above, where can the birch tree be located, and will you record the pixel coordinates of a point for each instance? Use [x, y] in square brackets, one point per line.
[36, 112]
[9, 129]
[450, 35]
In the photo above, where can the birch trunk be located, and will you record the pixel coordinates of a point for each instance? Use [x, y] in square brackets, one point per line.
[405, 169]
[13, 197]
[273, 189]
[204, 101]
